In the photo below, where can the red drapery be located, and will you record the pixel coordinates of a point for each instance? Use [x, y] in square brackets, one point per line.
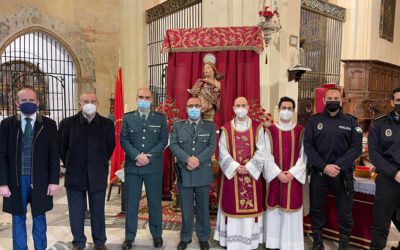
[240, 68]
[236, 50]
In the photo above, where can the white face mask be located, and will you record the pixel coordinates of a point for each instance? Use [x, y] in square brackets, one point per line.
[286, 114]
[89, 108]
[241, 112]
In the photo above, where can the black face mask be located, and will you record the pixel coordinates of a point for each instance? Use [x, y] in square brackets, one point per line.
[397, 108]
[332, 106]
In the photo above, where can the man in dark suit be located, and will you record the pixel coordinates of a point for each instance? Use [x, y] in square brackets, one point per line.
[144, 135]
[87, 142]
[29, 168]
[193, 143]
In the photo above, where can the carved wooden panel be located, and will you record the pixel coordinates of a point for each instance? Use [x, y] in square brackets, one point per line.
[368, 86]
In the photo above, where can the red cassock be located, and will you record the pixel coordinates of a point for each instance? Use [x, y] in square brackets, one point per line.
[241, 196]
[285, 147]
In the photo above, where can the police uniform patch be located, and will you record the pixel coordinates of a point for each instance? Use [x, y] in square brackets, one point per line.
[358, 129]
[388, 132]
[320, 126]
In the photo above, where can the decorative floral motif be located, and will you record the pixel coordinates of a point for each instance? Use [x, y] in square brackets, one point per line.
[225, 38]
[169, 110]
[268, 14]
[245, 187]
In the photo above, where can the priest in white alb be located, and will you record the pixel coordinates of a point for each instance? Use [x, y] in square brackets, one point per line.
[241, 158]
[285, 173]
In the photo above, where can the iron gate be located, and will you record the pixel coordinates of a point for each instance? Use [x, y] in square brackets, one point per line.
[37, 60]
[172, 14]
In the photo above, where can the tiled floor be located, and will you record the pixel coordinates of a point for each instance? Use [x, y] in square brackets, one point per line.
[59, 236]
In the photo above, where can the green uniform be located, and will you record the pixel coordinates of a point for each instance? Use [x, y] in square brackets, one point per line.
[150, 136]
[194, 185]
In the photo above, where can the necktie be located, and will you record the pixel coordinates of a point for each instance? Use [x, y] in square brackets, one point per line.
[194, 127]
[28, 126]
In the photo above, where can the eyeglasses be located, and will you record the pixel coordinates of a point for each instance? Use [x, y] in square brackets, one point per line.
[193, 106]
[144, 97]
[286, 108]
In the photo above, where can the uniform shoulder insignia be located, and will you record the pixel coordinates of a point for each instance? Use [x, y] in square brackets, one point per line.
[179, 121]
[158, 112]
[380, 117]
[355, 117]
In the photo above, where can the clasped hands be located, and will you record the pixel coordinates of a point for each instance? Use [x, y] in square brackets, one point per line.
[285, 177]
[142, 159]
[332, 170]
[192, 163]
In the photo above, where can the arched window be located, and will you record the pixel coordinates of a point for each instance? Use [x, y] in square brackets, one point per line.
[38, 60]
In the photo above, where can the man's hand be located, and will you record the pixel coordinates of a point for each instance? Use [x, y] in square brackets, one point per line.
[142, 159]
[289, 176]
[242, 170]
[192, 163]
[397, 177]
[332, 170]
[5, 191]
[283, 177]
[52, 189]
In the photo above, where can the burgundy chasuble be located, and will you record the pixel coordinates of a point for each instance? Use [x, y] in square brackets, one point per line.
[241, 196]
[285, 147]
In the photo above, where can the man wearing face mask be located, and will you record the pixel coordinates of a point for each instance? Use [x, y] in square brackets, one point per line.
[384, 152]
[193, 143]
[144, 135]
[87, 142]
[285, 171]
[241, 158]
[332, 142]
[29, 168]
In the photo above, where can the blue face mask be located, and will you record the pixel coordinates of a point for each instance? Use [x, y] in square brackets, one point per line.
[143, 104]
[194, 113]
[28, 108]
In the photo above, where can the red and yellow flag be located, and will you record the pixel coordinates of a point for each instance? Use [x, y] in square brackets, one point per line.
[118, 156]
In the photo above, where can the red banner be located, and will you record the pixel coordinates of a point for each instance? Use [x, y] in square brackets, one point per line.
[118, 156]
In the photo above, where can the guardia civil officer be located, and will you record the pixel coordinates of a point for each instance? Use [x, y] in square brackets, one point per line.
[384, 152]
[193, 143]
[144, 135]
[332, 142]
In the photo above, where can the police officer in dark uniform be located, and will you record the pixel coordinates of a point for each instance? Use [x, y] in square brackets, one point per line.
[144, 135]
[193, 143]
[384, 152]
[332, 142]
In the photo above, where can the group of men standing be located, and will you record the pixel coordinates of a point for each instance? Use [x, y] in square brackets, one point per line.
[250, 211]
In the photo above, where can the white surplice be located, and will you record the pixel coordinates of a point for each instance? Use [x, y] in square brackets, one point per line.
[284, 229]
[240, 233]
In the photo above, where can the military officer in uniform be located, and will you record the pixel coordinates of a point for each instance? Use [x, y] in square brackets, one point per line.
[144, 135]
[193, 143]
[384, 152]
[332, 142]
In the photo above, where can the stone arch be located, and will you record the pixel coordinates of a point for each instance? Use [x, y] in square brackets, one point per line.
[31, 18]
[52, 34]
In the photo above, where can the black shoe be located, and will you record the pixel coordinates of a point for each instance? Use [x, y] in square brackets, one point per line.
[127, 244]
[183, 245]
[100, 247]
[158, 242]
[204, 245]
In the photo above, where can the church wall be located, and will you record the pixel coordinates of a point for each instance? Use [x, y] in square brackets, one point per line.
[90, 28]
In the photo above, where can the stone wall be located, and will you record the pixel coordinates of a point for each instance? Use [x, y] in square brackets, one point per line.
[89, 30]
